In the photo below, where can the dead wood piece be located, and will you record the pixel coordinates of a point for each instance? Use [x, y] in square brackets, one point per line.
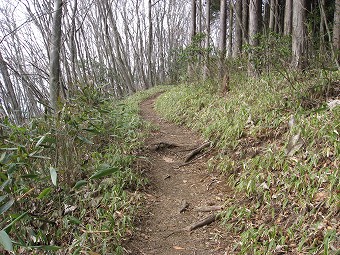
[206, 221]
[196, 151]
[184, 206]
[164, 145]
[208, 208]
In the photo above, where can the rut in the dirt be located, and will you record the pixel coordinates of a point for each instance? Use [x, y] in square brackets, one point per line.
[180, 194]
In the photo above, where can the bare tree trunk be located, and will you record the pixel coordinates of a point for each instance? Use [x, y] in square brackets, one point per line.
[73, 48]
[299, 44]
[192, 36]
[207, 38]
[245, 21]
[266, 16]
[231, 26]
[322, 35]
[288, 18]
[223, 37]
[238, 29]
[336, 32]
[272, 17]
[15, 107]
[193, 19]
[254, 30]
[55, 45]
[150, 78]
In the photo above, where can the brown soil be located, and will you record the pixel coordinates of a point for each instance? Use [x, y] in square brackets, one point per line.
[161, 227]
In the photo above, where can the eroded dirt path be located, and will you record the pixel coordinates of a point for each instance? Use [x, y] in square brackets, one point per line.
[160, 228]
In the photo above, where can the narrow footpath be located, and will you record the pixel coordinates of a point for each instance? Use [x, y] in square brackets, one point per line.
[177, 194]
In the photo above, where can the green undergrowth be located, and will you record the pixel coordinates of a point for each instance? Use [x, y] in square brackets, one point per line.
[278, 145]
[67, 184]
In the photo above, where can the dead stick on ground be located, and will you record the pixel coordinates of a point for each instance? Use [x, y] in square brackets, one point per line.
[193, 161]
[184, 206]
[202, 223]
[196, 151]
[205, 221]
[208, 208]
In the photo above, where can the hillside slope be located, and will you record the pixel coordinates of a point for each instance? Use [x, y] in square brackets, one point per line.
[278, 145]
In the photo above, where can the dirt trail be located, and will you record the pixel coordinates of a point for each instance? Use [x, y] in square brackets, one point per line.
[160, 227]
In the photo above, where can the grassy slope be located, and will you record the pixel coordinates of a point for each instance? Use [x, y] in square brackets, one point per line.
[91, 149]
[285, 204]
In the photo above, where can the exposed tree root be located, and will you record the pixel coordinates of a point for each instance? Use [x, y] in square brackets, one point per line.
[205, 221]
[196, 151]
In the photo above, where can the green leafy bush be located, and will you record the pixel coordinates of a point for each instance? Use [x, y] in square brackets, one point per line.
[66, 184]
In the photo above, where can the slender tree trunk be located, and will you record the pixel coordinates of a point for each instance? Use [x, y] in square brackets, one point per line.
[193, 19]
[245, 21]
[15, 107]
[73, 48]
[238, 29]
[336, 32]
[55, 45]
[254, 30]
[322, 35]
[299, 44]
[192, 36]
[272, 17]
[231, 26]
[150, 78]
[266, 16]
[207, 39]
[223, 36]
[288, 18]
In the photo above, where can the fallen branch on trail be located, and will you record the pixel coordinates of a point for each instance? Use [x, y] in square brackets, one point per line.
[208, 208]
[206, 221]
[184, 206]
[164, 145]
[196, 151]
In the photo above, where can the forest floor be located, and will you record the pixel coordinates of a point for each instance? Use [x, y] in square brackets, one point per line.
[177, 193]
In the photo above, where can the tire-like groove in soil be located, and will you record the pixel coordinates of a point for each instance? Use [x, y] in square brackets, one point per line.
[159, 228]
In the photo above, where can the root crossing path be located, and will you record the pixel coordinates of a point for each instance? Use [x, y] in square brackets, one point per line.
[179, 195]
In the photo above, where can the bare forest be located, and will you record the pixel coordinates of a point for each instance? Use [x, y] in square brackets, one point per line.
[77, 138]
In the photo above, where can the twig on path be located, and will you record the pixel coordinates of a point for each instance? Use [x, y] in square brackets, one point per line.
[184, 206]
[195, 160]
[205, 221]
[196, 151]
[208, 208]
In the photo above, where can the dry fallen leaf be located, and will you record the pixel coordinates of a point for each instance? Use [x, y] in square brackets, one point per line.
[168, 160]
[321, 196]
[178, 248]
[294, 144]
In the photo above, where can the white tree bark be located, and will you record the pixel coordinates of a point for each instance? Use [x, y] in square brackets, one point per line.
[150, 43]
[207, 39]
[299, 44]
[238, 29]
[55, 45]
[245, 21]
[15, 107]
[288, 18]
[254, 29]
[223, 36]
